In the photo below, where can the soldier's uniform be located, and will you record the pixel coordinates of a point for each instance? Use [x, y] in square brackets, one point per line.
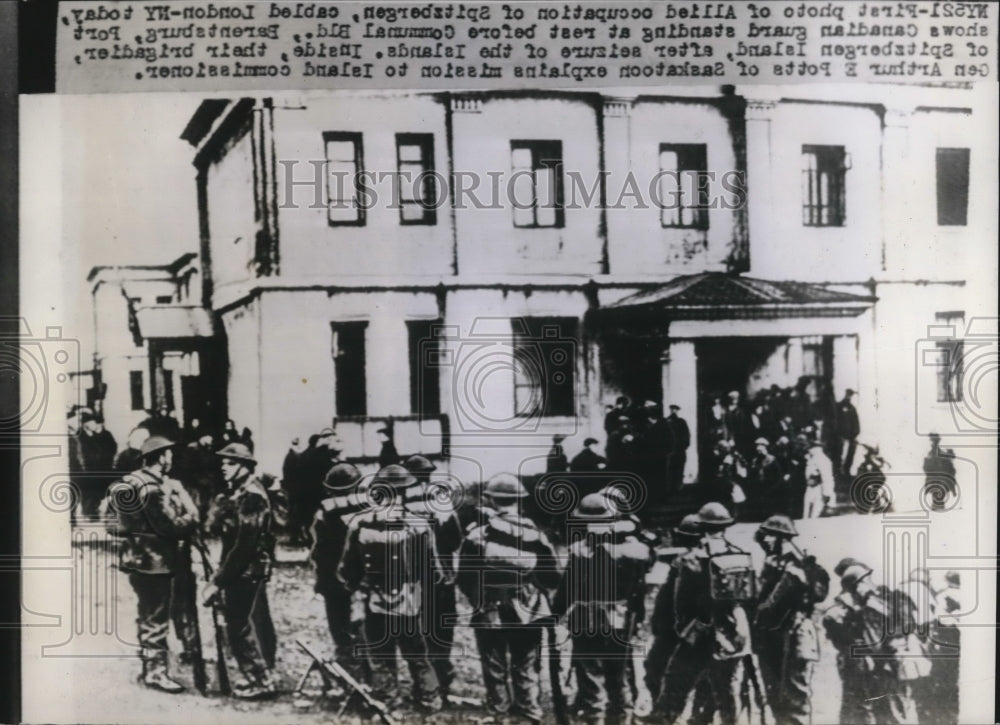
[184, 588]
[946, 648]
[785, 637]
[876, 664]
[329, 536]
[505, 565]
[434, 502]
[603, 595]
[390, 557]
[152, 523]
[243, 521]
[714, 582]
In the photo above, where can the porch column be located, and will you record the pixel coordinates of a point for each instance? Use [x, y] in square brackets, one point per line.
[680, 387]
[845, 364]
[157, 382]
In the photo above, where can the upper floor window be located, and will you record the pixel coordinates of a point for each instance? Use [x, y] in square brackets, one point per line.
[683, 186]
[823, 171]
[344, 165]
[544, 366]
[416, 190]
[537, 188]
[952, 187]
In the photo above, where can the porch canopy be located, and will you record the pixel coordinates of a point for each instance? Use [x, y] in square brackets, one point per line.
[172, 322]
[722, 296]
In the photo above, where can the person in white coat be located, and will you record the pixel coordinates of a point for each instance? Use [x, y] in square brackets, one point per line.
[819, 481]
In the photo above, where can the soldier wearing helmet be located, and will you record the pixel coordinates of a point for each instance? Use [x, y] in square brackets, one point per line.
[154, 522]
[715, 583]
[684, 537]
[390, 560]
[435, 501]
[329, 536]
[506, 566]
[244, 522]
[785, 638]
[602, 594]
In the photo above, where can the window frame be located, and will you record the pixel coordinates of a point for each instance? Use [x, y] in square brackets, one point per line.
[356, 139]
[691, 158]
[531, 336]
[427, 202]
[546, 154]
[831, 165]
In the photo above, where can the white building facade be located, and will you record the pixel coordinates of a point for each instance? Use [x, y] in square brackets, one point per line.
[537, 273]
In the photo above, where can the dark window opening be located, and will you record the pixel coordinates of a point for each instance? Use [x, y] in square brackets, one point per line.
[164, 299]
[135, 389]
[952, 187]
[425, 367]
[544, 366]
[348, 349]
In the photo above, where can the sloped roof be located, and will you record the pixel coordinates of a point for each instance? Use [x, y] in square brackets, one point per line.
[712, 295]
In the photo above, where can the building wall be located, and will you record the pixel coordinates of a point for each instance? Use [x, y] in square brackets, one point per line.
[488, 241]
[231, 224]
[246, 346]
[778, 236]
[309, 246]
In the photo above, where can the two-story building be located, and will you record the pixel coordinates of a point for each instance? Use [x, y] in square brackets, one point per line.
[489, 269]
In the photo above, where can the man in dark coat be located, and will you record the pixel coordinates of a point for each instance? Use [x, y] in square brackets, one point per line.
[679, 441]
[611, 418]
[556, 461]
[939, 474]
[292, 480]
[154, 524]
[316, 461]
[243, 520]
[387, 455]
[97, 450]
[848, 429]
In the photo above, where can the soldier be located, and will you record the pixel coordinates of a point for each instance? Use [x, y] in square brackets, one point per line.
[848, 428]
[842, 628]
[680, 441]
[243, 520]
[946, 647]
[329, 536]
[390, 558]
[917, 589]
[435, 503]
[153, 522]
[715, 581]
[685, 537]
[785, 637]
[603, 593]
[766, 478]
[505, 566]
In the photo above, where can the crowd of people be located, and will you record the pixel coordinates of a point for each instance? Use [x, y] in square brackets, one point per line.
[393, 551]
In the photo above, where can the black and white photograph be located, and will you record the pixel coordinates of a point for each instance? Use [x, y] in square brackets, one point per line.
[651, 397]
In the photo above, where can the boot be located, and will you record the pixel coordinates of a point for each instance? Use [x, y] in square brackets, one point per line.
[261, 689]
[154, 674]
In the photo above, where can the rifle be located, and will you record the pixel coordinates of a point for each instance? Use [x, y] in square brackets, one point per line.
[560, 709]
[221, 671]
[190, 593]
[333, 670]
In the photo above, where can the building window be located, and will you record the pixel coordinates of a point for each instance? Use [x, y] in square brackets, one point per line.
[344, 165]
[952, 187]
[425, 367]
[164, 299]
[537, 188]
[350, 390]
[135, 389]
[683, 186]
[950, 359]
[823, 170]
[168, 390]
[416, 190]
[544, 366]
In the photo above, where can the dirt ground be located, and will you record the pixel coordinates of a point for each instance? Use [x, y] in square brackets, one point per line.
[299, 614]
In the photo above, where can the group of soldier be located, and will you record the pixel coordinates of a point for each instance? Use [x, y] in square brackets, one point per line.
[392, 551]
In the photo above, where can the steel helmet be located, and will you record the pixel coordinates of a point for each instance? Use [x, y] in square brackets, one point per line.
[155, 444]
[236, 452]
[690, 525]
[419, 464]
[505, 485]
[844, 563]
[854, 574]
[341, 477]
[779, 524]
[595, 507]
[395, 476]
[714, 514]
